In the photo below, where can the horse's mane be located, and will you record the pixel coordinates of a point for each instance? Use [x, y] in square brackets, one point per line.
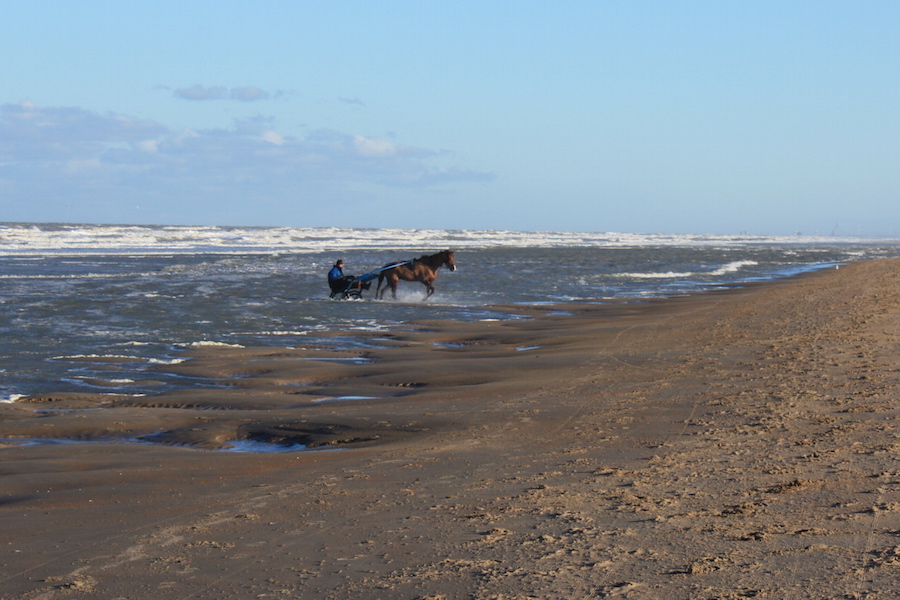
[429, 256]
[424, 256]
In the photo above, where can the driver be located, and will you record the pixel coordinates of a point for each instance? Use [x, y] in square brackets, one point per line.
[337, 281]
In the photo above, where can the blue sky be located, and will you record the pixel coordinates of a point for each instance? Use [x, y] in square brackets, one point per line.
[678, 117]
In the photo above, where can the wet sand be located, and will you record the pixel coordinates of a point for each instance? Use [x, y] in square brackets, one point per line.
[732, 444]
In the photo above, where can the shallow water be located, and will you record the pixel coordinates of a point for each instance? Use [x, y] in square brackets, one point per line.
[92, 308]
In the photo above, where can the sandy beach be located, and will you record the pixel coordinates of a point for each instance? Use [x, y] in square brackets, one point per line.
[731, 444]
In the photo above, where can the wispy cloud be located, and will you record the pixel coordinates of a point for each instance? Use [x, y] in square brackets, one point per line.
[199, 92]
[73, 152]
[356, 101]
[248, 94]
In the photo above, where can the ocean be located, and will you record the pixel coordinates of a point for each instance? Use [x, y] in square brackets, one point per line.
[72, 297]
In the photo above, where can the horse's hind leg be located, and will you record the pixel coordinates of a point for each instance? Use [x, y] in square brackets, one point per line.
[389, 282]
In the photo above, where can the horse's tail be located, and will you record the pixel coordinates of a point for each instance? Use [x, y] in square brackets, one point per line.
[378, 287]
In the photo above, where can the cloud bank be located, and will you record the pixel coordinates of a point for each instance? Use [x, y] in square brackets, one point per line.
[112, 159]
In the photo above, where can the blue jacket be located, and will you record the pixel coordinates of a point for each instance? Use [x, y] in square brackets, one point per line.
[335, 273]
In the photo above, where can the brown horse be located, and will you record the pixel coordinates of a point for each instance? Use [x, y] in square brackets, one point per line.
[422, 269]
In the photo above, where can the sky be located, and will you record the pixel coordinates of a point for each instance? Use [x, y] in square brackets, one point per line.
[723, 117]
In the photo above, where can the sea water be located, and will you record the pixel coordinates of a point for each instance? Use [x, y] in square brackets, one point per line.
[93, 307]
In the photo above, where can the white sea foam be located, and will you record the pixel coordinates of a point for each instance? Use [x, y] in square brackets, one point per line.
[166, 361]
[108, 381]
[99, 357]
[208, 343]
[279, 332]
[734, 267]
[46, 239]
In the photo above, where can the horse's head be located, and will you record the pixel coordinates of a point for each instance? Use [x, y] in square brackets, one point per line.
[449, 260]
